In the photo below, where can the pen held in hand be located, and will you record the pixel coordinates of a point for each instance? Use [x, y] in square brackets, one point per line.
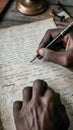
[58, 37]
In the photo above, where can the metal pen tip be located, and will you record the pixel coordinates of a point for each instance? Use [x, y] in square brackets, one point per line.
[33, 59]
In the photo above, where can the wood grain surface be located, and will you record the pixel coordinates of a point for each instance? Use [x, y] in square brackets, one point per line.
[3, 4]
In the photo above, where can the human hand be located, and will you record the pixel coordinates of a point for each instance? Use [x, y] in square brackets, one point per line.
[63, 58]
[41, 109]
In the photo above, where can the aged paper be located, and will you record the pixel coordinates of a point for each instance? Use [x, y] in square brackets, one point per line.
[17, 47]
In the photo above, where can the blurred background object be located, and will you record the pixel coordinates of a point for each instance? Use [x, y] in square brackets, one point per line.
[11, 16]
[32, 7]
[64, 2]
[3, 4]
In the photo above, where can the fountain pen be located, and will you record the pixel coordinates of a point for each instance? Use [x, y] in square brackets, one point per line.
[58, 37]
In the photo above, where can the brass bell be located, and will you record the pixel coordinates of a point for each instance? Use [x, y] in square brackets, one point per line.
[31, 7]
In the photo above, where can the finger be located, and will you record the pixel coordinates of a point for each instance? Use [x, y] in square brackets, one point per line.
[48, 97]
[17, 107]
[35, 116]
[50, 34]
[61, 58]
[39, 87]
[27, 94]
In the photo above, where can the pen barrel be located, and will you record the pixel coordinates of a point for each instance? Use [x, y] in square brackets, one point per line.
[67, 29]
[59, 36]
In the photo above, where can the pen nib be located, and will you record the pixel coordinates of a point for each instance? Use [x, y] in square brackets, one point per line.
[33, 59]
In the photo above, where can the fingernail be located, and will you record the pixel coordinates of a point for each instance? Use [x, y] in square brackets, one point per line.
[41, 52]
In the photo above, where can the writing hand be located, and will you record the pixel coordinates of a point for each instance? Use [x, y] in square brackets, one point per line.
[65, 57]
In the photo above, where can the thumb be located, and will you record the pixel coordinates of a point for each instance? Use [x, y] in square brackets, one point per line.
[47, 54]
[62, 58]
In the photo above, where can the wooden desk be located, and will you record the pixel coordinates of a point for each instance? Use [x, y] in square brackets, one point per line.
[13, 17]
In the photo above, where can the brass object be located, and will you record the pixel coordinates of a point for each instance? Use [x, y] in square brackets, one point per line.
[31, 7]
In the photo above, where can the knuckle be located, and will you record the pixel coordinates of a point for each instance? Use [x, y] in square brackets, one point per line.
[15, 104]
[48, 31]
[27, 91]
[36, 104]
[27, 94]
[36, 84]
[40, 86]
[37, 81]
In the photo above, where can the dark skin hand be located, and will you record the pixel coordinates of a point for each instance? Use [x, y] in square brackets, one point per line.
[41, 109]
[64, 57]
